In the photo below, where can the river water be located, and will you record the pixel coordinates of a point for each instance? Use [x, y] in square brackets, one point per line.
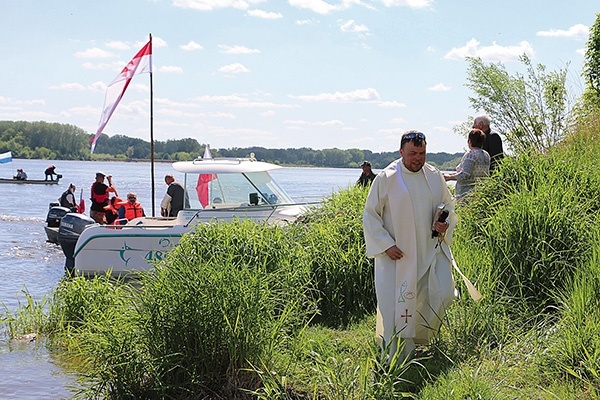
[29, 263]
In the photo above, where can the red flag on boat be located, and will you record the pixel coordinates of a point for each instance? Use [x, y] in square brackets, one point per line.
[203, 181]
[202, 188]
[81, 206]
[139, 64]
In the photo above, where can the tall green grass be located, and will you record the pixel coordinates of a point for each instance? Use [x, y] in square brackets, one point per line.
[242, 310]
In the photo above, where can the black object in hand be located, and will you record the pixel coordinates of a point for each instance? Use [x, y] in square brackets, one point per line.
[441, 218]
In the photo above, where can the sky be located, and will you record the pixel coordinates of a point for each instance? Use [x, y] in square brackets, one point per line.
[278, 73]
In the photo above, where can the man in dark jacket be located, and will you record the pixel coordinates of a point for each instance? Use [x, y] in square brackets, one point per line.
[367, 175]
[493, 142]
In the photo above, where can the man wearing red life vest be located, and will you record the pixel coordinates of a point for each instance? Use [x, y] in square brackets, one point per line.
[99, 197]
[130, 209]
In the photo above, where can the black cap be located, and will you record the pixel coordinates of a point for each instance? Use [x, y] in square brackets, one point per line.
[365, 164]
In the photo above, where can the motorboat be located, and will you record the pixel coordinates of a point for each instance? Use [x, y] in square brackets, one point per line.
[53, 217]
[32, 181]
[217, 190]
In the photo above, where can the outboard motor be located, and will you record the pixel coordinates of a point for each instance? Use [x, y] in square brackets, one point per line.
[71, 226]
[55, 214]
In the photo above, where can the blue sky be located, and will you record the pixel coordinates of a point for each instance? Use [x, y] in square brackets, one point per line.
[277, 74]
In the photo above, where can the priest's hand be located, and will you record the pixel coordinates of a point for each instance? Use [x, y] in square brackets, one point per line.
[394, 253]
[441, 227]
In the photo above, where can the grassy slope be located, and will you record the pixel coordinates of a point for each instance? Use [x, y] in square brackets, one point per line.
[207, 327]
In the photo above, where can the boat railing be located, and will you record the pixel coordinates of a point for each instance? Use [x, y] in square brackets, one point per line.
[253, 208]
[168, 222]
[223, 160]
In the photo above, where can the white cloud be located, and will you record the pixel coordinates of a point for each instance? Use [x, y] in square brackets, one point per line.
[318, 6]
[236, 68]
[223, 115]
[171, 69]
[323, 7]
[170, 103]
[333, 122]
[11, 101]
[94, 111]
[207, 5]
[352, 26]
[233, 98]
[117, 45]
[191, 46]
[391, 104]
[360, 95]
[264, 14]
[269, 113]
[68, 86]
[94, 52]
[407, 3]
[239, 101]
[304, 22]
[237, 50]
[493, 53]
[576, 31]
[440, 87]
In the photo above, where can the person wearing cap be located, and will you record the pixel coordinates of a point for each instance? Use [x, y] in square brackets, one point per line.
[131, 208]
[67, 199]
[49, 172]
[21, 175]
[367, 175]
[99, 197]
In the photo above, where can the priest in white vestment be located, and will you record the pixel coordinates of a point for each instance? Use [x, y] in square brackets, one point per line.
[413, 278]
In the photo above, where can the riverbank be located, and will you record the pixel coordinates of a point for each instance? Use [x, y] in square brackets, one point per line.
[289, 311]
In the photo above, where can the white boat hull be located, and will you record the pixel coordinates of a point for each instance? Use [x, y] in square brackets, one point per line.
[143, 241]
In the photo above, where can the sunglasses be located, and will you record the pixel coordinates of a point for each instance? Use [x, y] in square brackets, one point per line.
[413, 136]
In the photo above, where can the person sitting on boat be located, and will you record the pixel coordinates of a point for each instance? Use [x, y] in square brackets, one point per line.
[131, 208]
[99, 197]
[21, 175]
[112, 209]
[67, 199]
[49, 172]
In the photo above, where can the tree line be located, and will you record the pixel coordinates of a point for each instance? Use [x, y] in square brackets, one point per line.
[55, 141]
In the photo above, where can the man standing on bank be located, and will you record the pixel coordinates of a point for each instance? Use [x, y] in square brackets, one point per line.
[403, 233]
[367, 175]
[492, 143]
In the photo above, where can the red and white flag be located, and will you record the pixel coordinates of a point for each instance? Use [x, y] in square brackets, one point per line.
[139, 64]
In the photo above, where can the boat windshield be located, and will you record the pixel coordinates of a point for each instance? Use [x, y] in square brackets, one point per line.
[227, 190]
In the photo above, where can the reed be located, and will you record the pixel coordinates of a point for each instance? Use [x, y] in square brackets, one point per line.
[334, 242]
[29, 320]
[242, 310]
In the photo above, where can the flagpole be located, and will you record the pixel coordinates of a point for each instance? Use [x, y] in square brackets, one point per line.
[152, 134]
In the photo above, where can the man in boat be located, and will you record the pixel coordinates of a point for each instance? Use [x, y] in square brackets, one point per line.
[175, 199]
[99, 197]
[410, 245]
[131, 208]
[49, 172]
[67, 199]
[21, 175]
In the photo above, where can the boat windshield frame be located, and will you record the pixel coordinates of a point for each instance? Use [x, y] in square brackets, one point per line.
[235, 190]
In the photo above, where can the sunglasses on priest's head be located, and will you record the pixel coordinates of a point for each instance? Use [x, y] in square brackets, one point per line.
[414, 136]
